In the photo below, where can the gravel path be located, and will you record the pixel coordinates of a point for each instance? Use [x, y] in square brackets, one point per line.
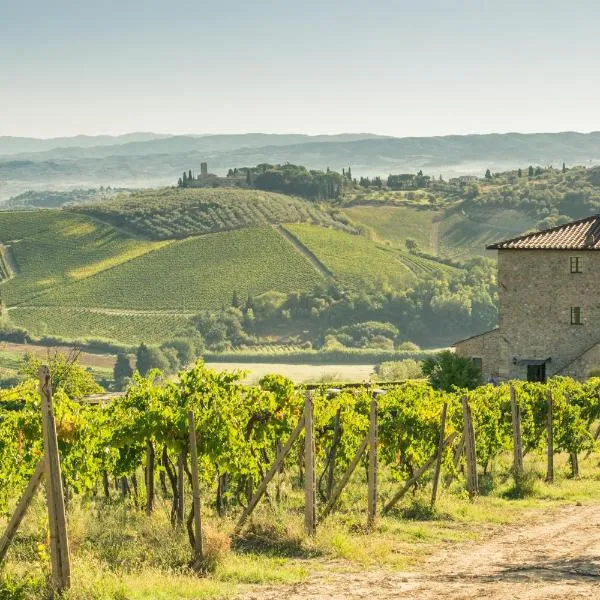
[553, 558]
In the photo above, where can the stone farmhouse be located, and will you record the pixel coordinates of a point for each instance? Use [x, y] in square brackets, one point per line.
[549, 306]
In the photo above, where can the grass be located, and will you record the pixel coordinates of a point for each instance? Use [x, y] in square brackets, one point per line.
[81, 324]
[468, 235]
[395, 224]
[52, 248]
[193, 274]
[121, 554]
[178, 213]
[353, 259]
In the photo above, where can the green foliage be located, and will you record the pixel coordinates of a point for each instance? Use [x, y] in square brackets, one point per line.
[211, 266]
[398, 370]
[151, 357]
[122, 370]
[178, 213]
[448, 371]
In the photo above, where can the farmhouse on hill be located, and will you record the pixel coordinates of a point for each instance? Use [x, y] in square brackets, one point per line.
[549, 306]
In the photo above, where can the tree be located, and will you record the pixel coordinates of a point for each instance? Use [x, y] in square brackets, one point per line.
[411, 245]
[148, 358]
[520, 173]
[190, 175]
[447, 371]
[488, 174]
[180, 182]
[122, 370]
[235, 301]
[564, 168]
[184, 179]
[349, 173]
[530, 171]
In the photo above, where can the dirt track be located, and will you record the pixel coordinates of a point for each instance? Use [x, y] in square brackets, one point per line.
[553, 558]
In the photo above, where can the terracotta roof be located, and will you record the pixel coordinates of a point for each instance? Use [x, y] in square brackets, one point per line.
[577, 235]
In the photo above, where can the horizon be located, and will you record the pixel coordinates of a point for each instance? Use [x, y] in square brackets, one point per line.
[283, 133]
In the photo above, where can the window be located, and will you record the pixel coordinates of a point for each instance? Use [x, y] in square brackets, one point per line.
[478, 362]
[536, 373]
[576, 264]
[576, 316]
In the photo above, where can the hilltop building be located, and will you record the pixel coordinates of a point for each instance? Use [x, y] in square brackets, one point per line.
[549, 307]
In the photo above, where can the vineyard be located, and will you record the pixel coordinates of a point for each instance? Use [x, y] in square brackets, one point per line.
[356, 259]
[81, 324]
[212, 267]
[54, 248]
[208, 447]
[180, 213]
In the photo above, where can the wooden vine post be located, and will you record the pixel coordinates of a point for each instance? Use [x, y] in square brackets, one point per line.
[310, 478]
[149, 477]
[197, 501]
[22, 506]
[470, 450]
[573, 458]
[372, 473]
[440, 455]
[550, 434]
[59, 542]
[517, 438]
[180, 487]
[262, 488]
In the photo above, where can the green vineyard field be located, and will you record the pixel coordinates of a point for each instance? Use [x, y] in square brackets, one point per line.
[180, 213]
[85, 324]
[198, 273]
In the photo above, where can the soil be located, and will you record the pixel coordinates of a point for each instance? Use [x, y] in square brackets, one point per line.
[555, 556]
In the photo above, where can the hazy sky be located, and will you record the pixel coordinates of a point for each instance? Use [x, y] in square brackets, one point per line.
[423, 67]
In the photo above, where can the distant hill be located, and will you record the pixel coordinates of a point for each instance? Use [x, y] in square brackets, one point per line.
[16, 145]
[150, 163]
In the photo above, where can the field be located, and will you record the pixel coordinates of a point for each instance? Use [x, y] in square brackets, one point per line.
[396, 224]
[179, 213]
[463, 236]
[354, 260]
[194, 274]
[53, 248]
[517, 533]
[80, 324]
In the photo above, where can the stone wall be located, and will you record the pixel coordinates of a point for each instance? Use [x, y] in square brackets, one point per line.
[536, 293]
[486, 347]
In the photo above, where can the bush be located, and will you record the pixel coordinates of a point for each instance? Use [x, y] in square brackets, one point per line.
[398, 370]
[447, 371]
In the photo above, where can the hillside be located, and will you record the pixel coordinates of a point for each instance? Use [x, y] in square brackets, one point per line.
[175, 213]
[158, 162]
[198, 273]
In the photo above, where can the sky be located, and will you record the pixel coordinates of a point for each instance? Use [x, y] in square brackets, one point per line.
[418, 68]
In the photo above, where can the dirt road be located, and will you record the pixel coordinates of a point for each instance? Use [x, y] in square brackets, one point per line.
[557, 557]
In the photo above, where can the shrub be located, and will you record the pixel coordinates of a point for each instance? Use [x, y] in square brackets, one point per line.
[447, 371]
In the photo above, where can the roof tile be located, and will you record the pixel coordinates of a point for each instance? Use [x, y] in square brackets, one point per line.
[577, 235]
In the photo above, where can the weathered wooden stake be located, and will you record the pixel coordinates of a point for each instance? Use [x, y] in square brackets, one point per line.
[573, 458]
[180, 487]
[550, 434]
[262, 488]
[418, 474]
[59, 541]
[22, 506]
[333, 453]
[310, 480]
[198, 542]
[517, 439]
[440, 455]
[149, 477]
[470, 451]
[372, 474]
